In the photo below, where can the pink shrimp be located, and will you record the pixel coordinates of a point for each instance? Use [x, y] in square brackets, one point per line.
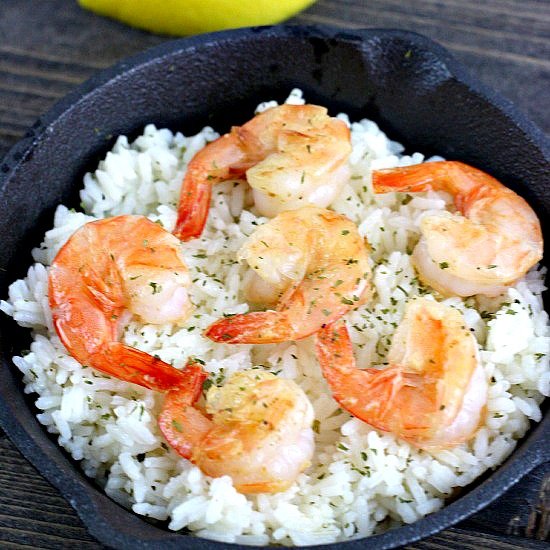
[106, 269]
[315, 261]
[434, 390]
[495, 241]
[257, 429]
[291, 155]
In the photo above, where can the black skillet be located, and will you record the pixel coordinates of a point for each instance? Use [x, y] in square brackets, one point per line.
[412, 87]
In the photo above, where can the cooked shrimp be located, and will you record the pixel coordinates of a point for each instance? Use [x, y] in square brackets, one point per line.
[257, 429]
[291, 155]
[433, 392]
[106, 269]
[495, 241]
[315, 261]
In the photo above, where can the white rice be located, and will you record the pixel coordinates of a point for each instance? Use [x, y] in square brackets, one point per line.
[362, 481]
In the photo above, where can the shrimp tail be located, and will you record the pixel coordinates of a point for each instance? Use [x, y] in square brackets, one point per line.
[416, 178]
[377, 389]
[193, 208]
[183, 425]
[260, 327]
[137, 367]
[218, 161]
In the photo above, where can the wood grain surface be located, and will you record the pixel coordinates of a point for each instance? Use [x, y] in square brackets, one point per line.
[47, 47]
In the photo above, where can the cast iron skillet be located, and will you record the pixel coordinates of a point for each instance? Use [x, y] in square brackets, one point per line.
[409, 85]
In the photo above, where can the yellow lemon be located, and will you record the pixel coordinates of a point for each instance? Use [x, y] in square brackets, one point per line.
[182, 17]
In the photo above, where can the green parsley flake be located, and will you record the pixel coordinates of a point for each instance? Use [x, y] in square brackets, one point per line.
[156, 287]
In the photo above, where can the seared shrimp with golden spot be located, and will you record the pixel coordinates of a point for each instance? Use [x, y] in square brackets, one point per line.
[434, 390]
[314, 263]
[291, 155]
[257, 429]
[493, 240]
[107, 270]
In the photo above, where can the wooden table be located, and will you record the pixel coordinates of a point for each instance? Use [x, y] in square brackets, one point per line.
[47, 47]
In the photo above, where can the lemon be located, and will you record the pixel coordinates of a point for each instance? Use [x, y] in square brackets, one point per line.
[182, 17]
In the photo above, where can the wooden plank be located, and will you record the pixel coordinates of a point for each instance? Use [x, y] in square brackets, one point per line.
[460, 539]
